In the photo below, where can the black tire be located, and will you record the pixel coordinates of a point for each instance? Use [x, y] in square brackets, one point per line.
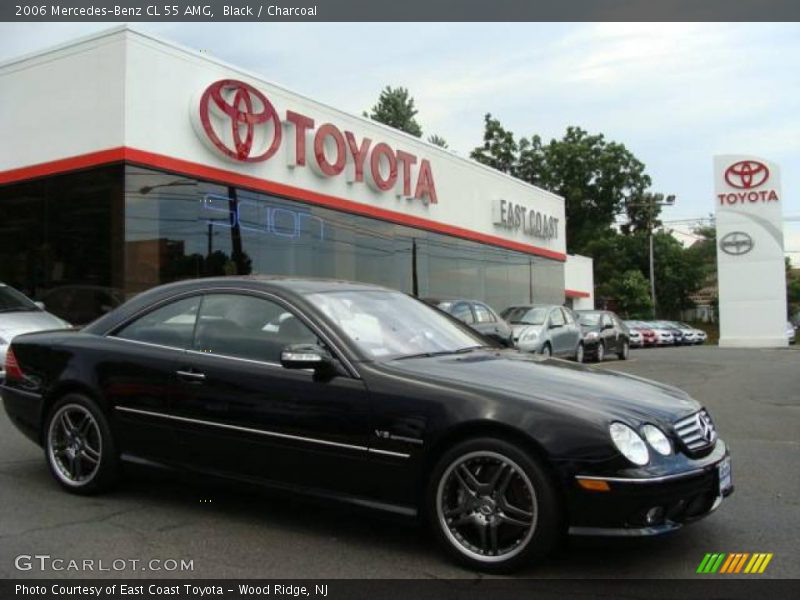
[80, 450]
[624, 351]
[547, 350]
[580, 355]
[600, 353]
[489, 511]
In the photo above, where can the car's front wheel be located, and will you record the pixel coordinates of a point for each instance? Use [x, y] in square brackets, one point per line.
[492, 505]
[624, 351]
[79, 447]
[600, 355]
[579, 355]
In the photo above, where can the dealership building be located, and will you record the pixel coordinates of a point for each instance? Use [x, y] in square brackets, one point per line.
[127, 162]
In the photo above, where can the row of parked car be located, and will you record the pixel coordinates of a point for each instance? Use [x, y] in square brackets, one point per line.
[559, 331]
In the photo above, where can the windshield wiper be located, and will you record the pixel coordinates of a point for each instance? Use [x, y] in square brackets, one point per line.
[441, 352]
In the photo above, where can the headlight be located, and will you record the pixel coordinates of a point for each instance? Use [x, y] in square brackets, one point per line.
[629, 443]
[529, 335]
[591, 335]
[657, 440]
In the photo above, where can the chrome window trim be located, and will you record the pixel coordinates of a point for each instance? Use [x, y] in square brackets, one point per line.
[151, 344]
[264, 432]
[254, 292]
[637, 480]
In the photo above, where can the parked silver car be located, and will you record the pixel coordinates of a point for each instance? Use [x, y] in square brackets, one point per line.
[791, 333]
[545, 329]
[19, 314]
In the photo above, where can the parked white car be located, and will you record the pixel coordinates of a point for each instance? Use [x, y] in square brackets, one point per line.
[19, 314]
[791, 333]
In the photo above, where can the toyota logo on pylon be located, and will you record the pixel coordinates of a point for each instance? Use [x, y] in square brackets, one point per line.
[236, 118]
[746, 174]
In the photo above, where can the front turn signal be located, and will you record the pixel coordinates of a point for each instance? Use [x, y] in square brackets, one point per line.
[594, 485]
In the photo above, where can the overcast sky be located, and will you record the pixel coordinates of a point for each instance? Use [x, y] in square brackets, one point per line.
[674, 94]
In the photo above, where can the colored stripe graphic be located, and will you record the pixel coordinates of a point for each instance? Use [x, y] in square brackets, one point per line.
[718, 563]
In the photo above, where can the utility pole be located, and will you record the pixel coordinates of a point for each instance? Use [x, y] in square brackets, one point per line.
[650, 201]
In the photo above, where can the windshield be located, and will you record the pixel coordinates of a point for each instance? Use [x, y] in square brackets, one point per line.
[590, 319]
[387, 325]
[525, 315]
[13, 301]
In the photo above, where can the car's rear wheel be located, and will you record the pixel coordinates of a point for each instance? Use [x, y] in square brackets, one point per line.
[79, 447]
[492, 506]
[624, 351]
[601, 352]
[547, 350]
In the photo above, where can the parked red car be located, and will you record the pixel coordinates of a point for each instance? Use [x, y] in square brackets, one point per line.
[648, 335]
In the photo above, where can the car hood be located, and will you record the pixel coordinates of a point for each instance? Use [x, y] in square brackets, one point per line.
[16, 323]
[552, 383]
[587, 328]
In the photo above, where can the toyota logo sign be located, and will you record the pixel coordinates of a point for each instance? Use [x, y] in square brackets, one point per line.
[746, 174]
[736, 243]
[241, 129]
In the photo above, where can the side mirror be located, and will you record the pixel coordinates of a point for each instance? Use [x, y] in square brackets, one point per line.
[555, 326]
[306, 356]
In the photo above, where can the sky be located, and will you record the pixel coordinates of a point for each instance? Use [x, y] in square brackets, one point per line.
[675, 94]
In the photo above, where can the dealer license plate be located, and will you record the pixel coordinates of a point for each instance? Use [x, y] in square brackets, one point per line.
[724, 472]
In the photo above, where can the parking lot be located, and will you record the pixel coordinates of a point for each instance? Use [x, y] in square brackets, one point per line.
[754, 396]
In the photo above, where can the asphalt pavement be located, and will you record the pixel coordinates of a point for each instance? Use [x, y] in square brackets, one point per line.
[753, 395]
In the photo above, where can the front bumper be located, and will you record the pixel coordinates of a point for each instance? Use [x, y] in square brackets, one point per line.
[680, 498]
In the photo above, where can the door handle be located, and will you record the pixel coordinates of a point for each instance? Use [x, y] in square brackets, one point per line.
[191, 376]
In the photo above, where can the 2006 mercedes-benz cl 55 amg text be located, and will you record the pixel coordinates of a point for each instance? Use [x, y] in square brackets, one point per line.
[356, 392]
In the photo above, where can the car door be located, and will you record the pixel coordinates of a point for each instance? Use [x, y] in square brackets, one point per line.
[572, 332]
[557, 331]
[609, 333]
[244, 413]
[486, 322]
[136, 374]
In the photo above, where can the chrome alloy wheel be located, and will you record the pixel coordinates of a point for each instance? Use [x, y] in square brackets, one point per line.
[486, 506]
[74, 445]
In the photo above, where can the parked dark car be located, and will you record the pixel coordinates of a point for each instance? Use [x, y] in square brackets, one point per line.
[478, 315]
[358, 393]
[604, 333]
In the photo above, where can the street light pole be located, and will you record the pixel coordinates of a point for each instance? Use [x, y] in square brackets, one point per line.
[653, 200]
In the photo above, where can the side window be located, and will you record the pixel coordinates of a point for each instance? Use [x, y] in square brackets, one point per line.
[244, 326]
[171, 325]
[462, 312]
[556, 317]
[483, 314]
[606, 320]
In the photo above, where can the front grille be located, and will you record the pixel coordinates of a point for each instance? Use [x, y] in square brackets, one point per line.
[697, 431]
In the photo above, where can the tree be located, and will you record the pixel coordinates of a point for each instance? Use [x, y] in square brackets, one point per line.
[437, 140]
[395, 108]
[597, 178]
[631, 293]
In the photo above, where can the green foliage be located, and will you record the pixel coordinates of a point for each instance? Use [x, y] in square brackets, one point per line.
[437, 140]
[395, 108]
[597, 178]
[631, 292]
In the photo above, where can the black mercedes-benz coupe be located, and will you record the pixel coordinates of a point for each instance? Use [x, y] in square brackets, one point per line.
[360, 393]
